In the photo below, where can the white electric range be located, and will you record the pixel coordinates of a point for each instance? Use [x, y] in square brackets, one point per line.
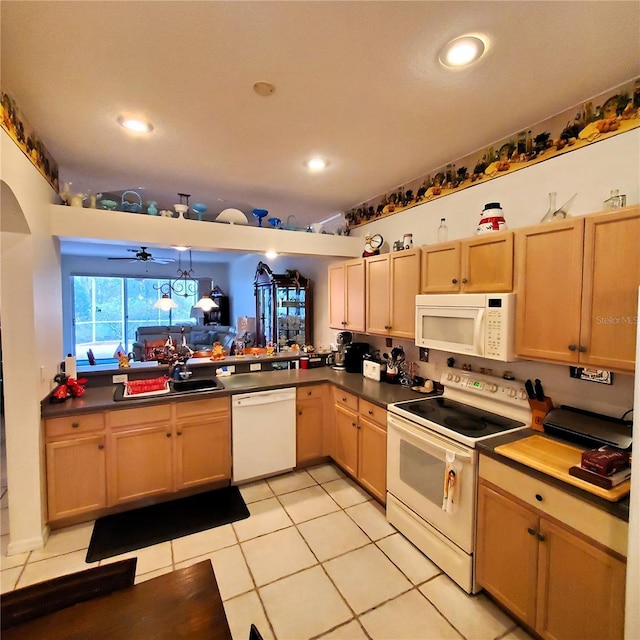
[432, 463]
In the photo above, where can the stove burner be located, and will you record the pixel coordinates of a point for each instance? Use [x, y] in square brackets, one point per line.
[462, 423]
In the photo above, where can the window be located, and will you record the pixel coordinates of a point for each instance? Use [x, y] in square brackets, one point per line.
[107, 311]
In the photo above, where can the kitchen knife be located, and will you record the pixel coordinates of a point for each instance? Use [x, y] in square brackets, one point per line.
[528, 385]
[539, 391]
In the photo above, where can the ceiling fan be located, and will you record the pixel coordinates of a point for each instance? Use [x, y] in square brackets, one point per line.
[144, 256]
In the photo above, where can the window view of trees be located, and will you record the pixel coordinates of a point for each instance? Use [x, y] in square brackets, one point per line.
[107, 311]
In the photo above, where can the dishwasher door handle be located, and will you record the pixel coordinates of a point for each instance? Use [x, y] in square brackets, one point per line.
[262, 397]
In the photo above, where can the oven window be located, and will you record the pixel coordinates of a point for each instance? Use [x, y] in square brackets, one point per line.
[448, 329]
[423, 472]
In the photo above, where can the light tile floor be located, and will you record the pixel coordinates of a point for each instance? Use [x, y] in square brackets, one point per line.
[316, 559]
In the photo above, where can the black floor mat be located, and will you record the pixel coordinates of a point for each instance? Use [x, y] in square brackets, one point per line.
[122, 532]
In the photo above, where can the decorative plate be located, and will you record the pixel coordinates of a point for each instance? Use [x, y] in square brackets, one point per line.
[232, 216]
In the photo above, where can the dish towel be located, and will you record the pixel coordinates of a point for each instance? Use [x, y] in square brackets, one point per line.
[452, 473]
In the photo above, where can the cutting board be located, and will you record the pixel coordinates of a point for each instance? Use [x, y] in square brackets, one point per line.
[554, 458]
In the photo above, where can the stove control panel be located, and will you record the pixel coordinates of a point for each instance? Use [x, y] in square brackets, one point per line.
[461, 385]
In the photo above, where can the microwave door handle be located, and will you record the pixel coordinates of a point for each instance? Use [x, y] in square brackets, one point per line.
[479, 332]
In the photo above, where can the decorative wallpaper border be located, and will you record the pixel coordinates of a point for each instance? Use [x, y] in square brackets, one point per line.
[616, 111]
[22, 133]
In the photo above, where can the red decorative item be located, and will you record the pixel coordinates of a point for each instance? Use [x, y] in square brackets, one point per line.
[75, 387]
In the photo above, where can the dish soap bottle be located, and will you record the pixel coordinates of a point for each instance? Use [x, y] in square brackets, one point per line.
[443, 232]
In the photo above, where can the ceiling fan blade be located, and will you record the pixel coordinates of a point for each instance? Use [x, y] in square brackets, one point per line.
[162, 260]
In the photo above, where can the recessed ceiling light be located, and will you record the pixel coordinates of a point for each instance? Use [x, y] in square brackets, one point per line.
[316, 164]
[271, 254]
[135, 124]
[463, 51]
[181, 248]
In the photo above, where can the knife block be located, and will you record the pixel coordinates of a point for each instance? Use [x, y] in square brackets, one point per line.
[539, 410]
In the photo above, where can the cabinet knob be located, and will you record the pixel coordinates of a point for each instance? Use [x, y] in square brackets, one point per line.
[464, 281]
[353, 424]
[454, 280]
[370, 412]
[344, 399]
[572, 347]
[300, 412]
[539, 497]
[541, 537]
[178, 433]
[531, 531]
[75, 425]
[100, 446]
[309, 393]
[581, 349]
[168, 435]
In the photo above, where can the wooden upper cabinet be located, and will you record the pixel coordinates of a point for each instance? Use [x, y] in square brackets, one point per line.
[487, 263]
[378, 270]
[483, 264]
[393, 281]
[577, 290]
[347, 295]
[549, 286]
[611, 278]
[441, 268]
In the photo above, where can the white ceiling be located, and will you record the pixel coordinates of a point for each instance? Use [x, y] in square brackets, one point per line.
[357, 82]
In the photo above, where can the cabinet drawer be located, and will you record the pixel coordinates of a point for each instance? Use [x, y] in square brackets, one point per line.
[202, 407]
[373, 412]
[595, 523]
[309, 393]
[345, 399]
[71, 425]
[140, 415]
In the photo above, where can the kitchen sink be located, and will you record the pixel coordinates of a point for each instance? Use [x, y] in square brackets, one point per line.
[175, 388]
[197, 384]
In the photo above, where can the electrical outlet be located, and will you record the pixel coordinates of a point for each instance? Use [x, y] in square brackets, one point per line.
[119, 377]
[388, 342]
[255, 367]
[424, 354]
[42, 378]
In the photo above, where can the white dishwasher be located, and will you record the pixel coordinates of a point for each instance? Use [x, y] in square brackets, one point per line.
[263, 428]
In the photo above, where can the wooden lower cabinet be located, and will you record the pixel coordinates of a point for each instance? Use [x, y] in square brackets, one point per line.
[202, 442]
[76, 479]
[309, 423]
[361, 441]
[551, 577]
[140, 463]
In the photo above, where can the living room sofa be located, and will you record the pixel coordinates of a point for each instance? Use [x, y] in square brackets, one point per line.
[199, 337]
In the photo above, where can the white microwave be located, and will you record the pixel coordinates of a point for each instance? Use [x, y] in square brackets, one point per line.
[474, 324]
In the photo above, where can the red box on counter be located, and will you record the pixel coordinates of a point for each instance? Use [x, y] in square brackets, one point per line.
[604, 461]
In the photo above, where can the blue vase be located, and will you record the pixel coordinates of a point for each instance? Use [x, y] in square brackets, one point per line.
[152, 210]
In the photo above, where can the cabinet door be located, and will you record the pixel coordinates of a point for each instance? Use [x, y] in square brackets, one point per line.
[203, 451]
[337, 284]
[580, 588]
[309, 432]
[354, 273]
[378, 271]
[441, 268]
[487, 263]
[507, 552]
[405, 285]
[140, 463]
[611, 279]
[372, 458]
[346, 444]
[76, 476]
[549, 272]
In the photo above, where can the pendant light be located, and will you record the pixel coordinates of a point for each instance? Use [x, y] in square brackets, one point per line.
[165, 303]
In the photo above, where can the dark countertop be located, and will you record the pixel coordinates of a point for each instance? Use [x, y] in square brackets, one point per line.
[619, 509]
[100, 398]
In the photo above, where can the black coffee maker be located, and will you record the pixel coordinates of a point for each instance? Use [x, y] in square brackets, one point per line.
[354, 355]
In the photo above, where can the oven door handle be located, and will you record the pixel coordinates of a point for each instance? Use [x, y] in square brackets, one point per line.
[429, 439]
